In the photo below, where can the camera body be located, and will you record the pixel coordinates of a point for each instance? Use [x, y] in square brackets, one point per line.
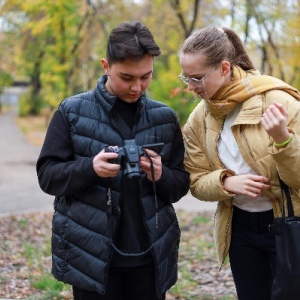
[129, 156]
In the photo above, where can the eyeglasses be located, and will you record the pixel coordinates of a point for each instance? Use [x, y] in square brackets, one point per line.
[199, 83]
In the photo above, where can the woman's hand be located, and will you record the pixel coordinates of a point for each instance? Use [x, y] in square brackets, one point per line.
[146, 164]
[246, 184]
[274, 121]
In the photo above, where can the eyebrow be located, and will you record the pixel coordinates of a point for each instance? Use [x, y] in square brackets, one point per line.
[125, 74]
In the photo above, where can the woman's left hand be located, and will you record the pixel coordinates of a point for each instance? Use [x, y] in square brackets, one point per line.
[146, 164]
[274, 121]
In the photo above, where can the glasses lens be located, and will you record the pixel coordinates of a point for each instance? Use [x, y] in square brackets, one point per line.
[194, 81]
[197, 82]
[184, 79]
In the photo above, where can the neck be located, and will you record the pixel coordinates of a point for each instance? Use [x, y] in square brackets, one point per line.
[229, 78]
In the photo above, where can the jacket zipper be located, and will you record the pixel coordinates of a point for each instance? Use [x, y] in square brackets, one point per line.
[230, 217]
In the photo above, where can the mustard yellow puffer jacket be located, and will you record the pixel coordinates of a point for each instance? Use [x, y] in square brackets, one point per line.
[201, 133]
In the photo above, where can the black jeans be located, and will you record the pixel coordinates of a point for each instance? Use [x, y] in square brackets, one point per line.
[252, 254]
[125, 284]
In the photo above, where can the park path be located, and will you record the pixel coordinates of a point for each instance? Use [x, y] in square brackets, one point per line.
[19, 188]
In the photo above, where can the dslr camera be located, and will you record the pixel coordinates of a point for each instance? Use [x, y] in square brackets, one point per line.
[129, 156]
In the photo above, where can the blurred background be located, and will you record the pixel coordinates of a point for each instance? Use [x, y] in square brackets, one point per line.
[51, 49]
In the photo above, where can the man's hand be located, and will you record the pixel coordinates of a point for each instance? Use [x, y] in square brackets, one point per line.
[103, 167]
[146, 164]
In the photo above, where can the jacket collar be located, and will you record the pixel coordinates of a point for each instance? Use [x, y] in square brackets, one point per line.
[251, 111]
[108, 100]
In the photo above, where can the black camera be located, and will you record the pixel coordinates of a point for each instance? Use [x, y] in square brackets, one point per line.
[129, 156]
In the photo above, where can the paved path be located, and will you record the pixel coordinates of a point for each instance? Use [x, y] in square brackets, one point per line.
[19, 189]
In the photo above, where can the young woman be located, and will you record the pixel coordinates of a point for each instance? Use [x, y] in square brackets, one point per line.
[238, 139]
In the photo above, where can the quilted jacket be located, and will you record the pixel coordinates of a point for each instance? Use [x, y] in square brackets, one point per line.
[85, 220]
[201, 134]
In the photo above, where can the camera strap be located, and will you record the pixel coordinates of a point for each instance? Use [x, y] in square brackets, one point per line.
[156, 219]
[130, 254]
[154, 191]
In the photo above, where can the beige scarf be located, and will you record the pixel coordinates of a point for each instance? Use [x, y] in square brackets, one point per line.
[244, 85]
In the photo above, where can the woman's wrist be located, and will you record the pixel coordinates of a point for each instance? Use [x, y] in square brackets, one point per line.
[283, 143]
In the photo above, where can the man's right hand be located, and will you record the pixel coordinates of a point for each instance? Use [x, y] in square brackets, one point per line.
[103, 167]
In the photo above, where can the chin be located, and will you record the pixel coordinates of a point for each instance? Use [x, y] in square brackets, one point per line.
[202, 96]
[129, 100]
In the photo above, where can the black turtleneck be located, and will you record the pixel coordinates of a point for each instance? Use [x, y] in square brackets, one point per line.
[132, 235]
[127, 111]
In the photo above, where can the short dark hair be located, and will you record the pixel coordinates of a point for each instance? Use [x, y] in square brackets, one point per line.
[130, 40]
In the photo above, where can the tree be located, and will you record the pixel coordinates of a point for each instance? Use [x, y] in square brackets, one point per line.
[58, 44]
[5, 80]
[187, 14]
[49, 35]
[274, 39]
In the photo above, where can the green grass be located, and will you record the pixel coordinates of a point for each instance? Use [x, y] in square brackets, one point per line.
[30, 238]
[39, 275]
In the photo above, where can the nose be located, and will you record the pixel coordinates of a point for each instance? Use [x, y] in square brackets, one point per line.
[136, 86]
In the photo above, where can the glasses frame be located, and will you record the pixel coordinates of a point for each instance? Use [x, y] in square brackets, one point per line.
[199, 83]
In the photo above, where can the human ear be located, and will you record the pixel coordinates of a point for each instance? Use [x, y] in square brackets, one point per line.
[225, 67]
[105, 66]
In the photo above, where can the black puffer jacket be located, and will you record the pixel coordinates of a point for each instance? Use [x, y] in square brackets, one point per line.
[84, 223]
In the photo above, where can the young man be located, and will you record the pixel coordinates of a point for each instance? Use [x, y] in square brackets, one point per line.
[115, 232]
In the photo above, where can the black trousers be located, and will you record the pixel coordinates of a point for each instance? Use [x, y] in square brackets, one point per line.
[252, 254]
[136, 283]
